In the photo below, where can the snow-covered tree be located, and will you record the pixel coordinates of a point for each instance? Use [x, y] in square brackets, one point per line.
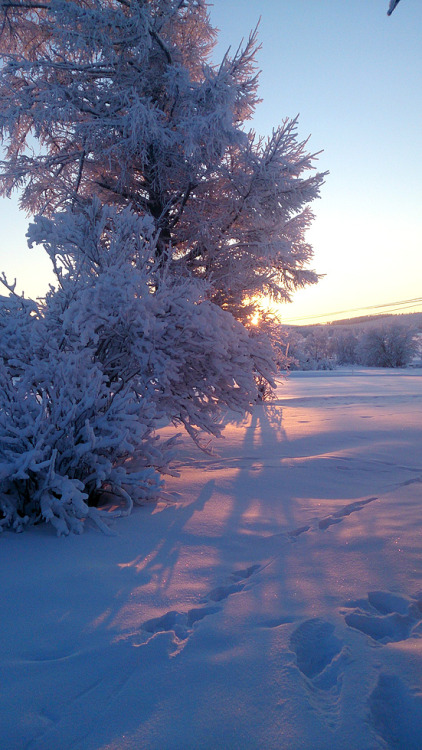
[343, 346]
[120, 99]
[310, 349]
[163, 218]
[387, 346]
[268, 325]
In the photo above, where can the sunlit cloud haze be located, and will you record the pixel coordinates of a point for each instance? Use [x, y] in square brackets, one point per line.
[354, 76]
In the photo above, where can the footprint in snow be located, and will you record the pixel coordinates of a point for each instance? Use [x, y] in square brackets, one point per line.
[181, 624]
[293, 535]
[334, 518]
[321, 658]
[339, 515]
[316, 646]
[385, 616]
[222, 592]
[238, 576]
[395, 712]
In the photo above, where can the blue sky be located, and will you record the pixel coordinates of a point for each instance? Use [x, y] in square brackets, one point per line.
[355, 78]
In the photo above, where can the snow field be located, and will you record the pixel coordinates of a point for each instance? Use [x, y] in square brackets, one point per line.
[272, 599]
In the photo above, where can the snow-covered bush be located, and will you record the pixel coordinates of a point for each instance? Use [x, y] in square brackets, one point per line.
[86, 375]
[319, 349]
[64, 434]
[69, 424]
[311, 350]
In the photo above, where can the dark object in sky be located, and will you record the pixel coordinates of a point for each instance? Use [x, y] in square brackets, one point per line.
[393, 4]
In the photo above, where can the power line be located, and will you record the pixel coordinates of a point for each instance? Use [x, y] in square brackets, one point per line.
[408, 302]
[406, 307]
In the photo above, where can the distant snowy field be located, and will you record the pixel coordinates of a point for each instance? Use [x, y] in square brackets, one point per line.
[271, 600]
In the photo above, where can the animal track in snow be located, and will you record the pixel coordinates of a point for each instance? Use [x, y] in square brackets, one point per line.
[222, 592]
[416, 480]
[338, 516]
[180, 623]
[277, 622]
[297, 532]
[334, 518]
[385, 616]
[396, 713]
[238, 576]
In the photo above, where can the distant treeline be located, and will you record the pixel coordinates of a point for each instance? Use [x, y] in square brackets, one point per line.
[325, 347]
[361, 319]
[410, 319]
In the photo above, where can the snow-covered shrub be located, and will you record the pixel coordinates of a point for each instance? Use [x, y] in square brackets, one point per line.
[65, 434]
[319, 350]
[86, 375]
[311, 350]
[71, 421]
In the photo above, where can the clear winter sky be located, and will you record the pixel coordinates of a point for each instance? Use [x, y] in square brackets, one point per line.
[354, 76]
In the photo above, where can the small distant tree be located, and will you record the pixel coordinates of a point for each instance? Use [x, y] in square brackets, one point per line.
[268, 324]
[387, 346]
[298, 357]
[310, 349]
[343, 347]
[318, 346]
[164, 219]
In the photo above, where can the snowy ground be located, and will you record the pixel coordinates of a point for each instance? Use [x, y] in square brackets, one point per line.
[272, 600]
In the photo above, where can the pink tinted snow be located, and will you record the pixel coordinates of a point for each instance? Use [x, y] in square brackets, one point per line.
[272, 599]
